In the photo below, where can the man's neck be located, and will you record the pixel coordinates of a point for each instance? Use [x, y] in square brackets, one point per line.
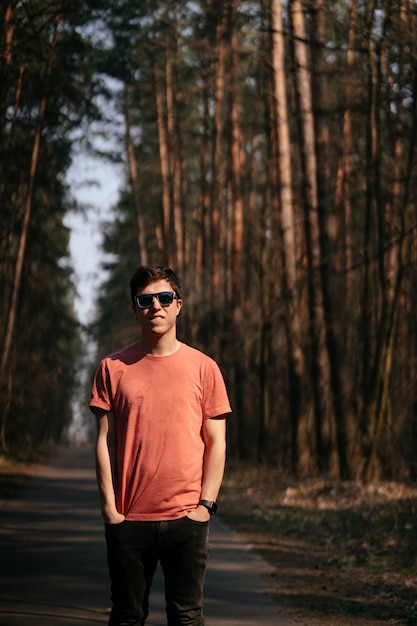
[159, 346]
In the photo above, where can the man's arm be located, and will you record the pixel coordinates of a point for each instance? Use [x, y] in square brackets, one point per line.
[214, 435]
[105, 453]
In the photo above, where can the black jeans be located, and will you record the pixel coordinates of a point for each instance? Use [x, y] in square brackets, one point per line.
[133, 551]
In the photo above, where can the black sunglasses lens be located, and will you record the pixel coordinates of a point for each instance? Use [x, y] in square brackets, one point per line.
[165, 298]
[145, 301]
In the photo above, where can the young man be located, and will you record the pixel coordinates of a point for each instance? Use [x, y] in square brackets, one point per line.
[160, 456]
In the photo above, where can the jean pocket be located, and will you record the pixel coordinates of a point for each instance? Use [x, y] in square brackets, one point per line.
[114, 527]
[196, 522]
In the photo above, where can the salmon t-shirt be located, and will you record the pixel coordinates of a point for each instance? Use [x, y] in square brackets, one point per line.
[159, 404]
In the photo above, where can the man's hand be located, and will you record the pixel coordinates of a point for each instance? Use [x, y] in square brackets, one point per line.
[113, 517]
[200, 514]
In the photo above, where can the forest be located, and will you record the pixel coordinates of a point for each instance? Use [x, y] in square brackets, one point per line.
[269, 157]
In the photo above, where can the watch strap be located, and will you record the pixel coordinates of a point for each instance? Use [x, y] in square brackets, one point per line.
[210, 505]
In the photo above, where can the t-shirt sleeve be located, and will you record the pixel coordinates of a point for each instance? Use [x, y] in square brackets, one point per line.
[215, 398]
[100, 393]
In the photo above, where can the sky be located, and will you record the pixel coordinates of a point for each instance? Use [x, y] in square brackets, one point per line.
[85, 238]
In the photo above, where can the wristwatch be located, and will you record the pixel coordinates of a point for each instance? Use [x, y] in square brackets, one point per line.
[210, 506]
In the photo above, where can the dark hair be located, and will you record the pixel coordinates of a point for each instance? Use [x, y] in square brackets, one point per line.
[147, 274]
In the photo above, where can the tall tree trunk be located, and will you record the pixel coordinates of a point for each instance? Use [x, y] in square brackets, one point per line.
[328, 232]
[168, 243]
[8, 32]
[343, 204]
[367, 306]
[174, 142]
[343, 198]
[203, 207]
[265, 358]
[235, 165]
[270, 261]
[133, 169]
[234, 281]
[288, 222]
[216, 239]
[319, 369]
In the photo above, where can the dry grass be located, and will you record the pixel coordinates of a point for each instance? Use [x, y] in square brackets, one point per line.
[344, 554]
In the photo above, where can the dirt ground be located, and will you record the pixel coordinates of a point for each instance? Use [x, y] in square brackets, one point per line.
[344, 554]
[13, 475]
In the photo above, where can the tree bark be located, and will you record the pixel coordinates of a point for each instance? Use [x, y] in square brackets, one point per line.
[168, 251]
[328, 233]
[319, 369]
[174, 145]
[288, 225]
[234, 275]
[133, 169]
[343, 197]
[216, 230]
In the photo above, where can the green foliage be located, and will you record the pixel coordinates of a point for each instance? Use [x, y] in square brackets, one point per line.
[41, 373]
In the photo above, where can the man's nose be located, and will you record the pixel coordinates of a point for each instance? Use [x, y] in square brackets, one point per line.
[155, 303]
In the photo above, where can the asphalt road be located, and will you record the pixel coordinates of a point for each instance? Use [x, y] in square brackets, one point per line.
[53, 564]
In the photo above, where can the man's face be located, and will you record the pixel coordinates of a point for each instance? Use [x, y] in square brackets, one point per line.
[157, 318]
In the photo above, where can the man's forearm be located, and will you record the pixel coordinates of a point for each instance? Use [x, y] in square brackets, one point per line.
[105, 480]
[214, 463]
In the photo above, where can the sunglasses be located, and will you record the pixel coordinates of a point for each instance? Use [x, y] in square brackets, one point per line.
[145, 300]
